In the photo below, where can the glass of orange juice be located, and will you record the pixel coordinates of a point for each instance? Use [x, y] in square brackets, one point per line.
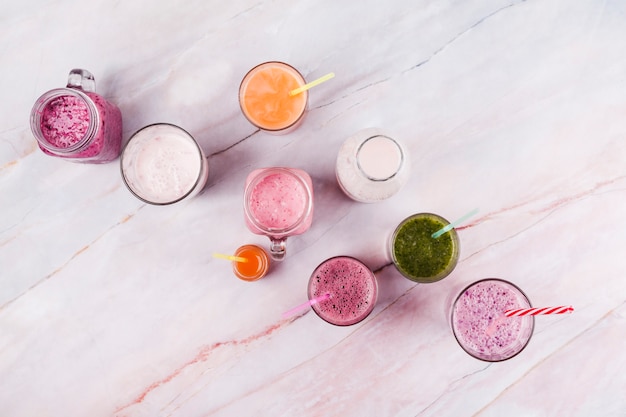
[256, 266]
[265, 101]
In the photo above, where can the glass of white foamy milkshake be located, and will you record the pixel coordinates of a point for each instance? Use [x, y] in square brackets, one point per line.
[371, 166]
[163, 164]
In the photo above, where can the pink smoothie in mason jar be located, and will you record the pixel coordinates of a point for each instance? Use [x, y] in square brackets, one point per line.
[479, 324]
[350, 286]
[76, 123]
[278, 203]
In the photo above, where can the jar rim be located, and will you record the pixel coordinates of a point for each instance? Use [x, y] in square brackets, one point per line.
[44, 100]
[261, 175]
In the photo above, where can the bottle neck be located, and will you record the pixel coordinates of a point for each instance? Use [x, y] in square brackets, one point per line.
[379, 158]
[67, 140]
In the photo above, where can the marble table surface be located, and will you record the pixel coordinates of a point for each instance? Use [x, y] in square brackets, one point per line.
[111, 307]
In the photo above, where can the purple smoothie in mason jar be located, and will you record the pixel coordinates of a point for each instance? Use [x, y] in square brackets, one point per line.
[76, 123]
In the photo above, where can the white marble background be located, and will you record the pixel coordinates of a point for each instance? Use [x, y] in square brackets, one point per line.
[109, 307]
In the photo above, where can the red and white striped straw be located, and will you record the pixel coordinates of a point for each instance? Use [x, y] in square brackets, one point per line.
[521, 312]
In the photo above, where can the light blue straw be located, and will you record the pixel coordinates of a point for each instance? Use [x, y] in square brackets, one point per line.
[454, 224]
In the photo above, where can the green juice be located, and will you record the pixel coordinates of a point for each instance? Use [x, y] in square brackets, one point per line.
[420, 257]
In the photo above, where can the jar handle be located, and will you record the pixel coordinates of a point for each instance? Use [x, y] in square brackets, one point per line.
[82, 80]
[278, 249]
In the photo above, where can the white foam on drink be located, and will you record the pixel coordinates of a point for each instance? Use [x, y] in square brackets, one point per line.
[162, 164]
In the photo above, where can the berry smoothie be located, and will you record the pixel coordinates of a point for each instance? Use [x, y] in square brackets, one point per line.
[479, 324]
[352, 290]
[279, 201]
[81, 126]
[65, 121]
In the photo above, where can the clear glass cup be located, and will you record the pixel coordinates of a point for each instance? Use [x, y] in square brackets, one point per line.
[420, 257]
[75, 123]
[371, 166]
[278, 203]
[479, 325]
[162, 164]
[265, 101]
[351, 288]
[256, 267]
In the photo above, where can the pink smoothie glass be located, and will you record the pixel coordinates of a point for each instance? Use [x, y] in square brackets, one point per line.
[77, 124]
[348, 288]
[480, 326]
[278, 203]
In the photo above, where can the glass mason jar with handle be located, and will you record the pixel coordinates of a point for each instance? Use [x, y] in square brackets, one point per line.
[77, 124]
[278, 203]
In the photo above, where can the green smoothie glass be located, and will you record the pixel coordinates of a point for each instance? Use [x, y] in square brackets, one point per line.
[420, 257]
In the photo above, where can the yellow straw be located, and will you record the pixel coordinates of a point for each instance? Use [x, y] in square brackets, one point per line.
[311, 84]
[230, 257]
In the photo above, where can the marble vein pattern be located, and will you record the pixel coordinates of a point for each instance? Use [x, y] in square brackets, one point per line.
[113, 308]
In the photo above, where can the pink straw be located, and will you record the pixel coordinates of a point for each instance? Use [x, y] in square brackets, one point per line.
[521, 312]
[309, 303]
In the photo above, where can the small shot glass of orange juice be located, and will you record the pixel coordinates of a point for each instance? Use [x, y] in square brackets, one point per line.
[257, 265]
[265, 100]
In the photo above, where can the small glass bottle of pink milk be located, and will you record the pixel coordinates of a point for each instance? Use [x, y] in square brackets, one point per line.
[371, 166]
[77, 124]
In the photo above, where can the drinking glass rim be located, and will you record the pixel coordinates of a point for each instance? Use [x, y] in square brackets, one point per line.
[256, 68]
[516, 288]
[373, 279]
[193, 141]
[264, 263]
[455, 249]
